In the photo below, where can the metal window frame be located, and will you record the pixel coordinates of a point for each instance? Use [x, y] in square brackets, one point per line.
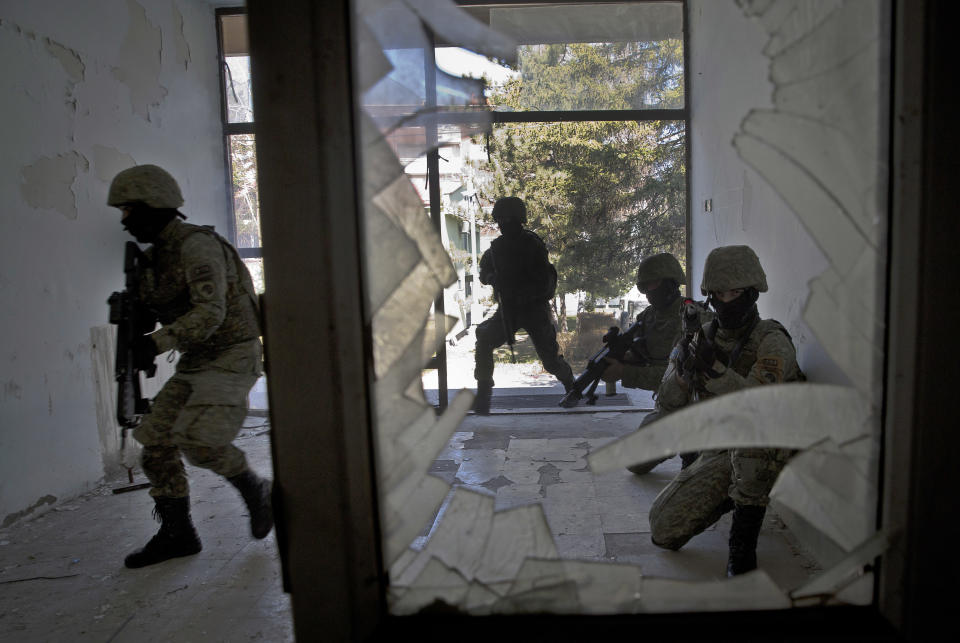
[433, 119]
[322, 428]
[231, 129]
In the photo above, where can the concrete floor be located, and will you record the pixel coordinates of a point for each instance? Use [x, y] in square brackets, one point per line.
[537, 457]
[62, 576]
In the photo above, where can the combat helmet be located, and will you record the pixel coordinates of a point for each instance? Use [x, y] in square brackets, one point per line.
[660, 266]
[732, 267]
[147, 184]
[510, 208]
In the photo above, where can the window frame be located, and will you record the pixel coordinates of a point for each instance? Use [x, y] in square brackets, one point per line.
[325, 486]
[229, 130]
[454, 117]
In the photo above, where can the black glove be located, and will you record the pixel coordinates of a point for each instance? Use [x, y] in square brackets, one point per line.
[144, 350]
[701, 356]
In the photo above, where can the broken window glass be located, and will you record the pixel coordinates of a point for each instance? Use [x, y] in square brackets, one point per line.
[236, 68]
[818, 142]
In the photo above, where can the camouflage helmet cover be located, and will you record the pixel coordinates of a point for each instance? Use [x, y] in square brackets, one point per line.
[732, 267]
[147, 184]
[660, 266]
[510, 207]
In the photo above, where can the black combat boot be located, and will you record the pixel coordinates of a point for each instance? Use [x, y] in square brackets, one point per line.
[256, 494]
[747, 520]
[176, 537]
[481, 405]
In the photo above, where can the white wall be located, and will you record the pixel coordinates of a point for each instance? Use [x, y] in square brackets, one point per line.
[789, 140]
[88, 89]
[729, 77]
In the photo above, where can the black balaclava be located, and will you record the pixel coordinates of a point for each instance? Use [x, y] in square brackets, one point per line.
[510, 227]
[739, 312]
[664, 294]
[145, 223]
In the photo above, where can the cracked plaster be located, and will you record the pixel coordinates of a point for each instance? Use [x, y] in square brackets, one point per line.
[48, 183]
[141, 53]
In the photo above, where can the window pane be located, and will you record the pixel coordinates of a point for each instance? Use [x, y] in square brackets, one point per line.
[255, 266]
[246, 200]
[236, 79]
[587, 76]
[611, 57]
[602, 194]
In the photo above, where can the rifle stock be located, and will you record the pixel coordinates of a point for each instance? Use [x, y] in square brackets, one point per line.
[133, 320]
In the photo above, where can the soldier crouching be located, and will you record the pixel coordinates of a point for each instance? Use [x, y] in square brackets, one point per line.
[736, 350]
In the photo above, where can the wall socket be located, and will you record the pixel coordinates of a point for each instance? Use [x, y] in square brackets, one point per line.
[708, 205]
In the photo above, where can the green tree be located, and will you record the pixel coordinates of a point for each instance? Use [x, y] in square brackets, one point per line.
[246, 196]
[603, 194]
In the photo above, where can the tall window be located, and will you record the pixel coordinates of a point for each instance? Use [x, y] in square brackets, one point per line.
[239, 140]
[587, 123]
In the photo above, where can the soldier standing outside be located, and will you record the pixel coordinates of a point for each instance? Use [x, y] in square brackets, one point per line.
[202, 294]
[524, 281]
[658, 277]
[735, 351]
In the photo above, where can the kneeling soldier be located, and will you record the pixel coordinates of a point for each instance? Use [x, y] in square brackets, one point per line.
[736, 350]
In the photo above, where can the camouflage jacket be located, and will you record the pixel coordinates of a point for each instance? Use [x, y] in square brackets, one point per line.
[200, 290]
[661, 331]
[767, 356]
[519, 269]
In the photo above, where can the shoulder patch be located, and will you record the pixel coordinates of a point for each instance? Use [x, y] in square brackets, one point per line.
[769, 369]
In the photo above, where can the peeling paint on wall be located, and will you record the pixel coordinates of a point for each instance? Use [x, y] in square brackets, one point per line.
[9, 519]
[141, 55]
[109, 161]
[180, 40]
[68, 58]
[11, 389]
[48, 183]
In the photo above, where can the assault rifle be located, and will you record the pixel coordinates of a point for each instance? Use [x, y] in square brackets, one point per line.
[616, 345]
[133, 321]
[690, 326]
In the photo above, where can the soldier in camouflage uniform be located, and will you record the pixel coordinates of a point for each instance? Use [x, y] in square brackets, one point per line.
[658, 278]
[524, 281]
[202, 294]
[736, 350]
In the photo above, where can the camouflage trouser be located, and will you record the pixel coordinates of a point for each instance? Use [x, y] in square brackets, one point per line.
[197, 413]
[538, 322]
[701, 493]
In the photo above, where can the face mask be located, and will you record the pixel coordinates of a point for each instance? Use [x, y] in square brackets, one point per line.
[736, 313]
[664, 294]
[145, 224]
[510, 227]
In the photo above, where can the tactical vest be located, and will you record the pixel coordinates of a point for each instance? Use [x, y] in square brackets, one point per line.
[748, 351]
[661, 330]
[166, 292]
[524, 274]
